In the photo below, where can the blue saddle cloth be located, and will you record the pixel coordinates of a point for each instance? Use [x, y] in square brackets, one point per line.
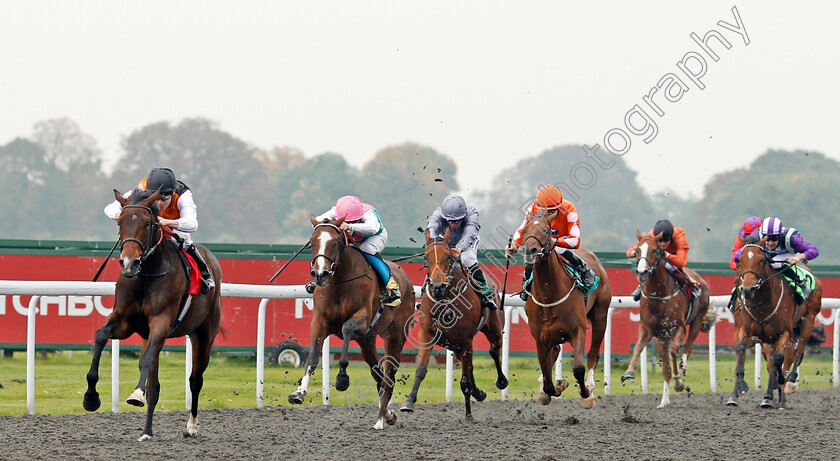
[382, 270]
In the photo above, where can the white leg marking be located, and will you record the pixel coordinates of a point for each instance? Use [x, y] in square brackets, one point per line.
[590, 379]
[380, 424]
[304, 383]
[144, 437]
[666, 396]
[192, 426]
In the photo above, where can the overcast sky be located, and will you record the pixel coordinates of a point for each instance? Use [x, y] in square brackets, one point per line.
[487, 83]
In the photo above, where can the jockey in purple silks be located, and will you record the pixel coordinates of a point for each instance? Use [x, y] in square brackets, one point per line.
[785, 245]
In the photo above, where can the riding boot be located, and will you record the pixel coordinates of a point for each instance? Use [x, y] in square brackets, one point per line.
[732, 299]
[637, 293]
[587, 276]
[310, 287]
[206, 276]
[800, 282]
[393, 297]
[484, 292]
[527, 281]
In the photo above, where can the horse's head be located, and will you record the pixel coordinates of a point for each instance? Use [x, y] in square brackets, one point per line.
[536, 236]
[328, 242]
[648, 256]
[139, 230]
[753, 268]
[439, 263]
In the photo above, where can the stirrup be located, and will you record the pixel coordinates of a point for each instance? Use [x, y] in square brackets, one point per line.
[637, 294]
[310, 287]
[489, 303]
[207, 284]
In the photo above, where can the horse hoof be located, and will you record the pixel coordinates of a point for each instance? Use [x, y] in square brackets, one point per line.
[192, 428]
[136, 398]
[560, 386]
[742, 388]
[545, 399]
[380, 424]
[468, 418]
[91, 401]
[767, 403]
[589, 402]
[144, 437]
[342, 382]
[790, 388]
[732, 402]
[479, 395]
[662, 405]
[628, 375]
[501, 383]
[296, 398]
[679, 385]
[407, 407]
[390, 417]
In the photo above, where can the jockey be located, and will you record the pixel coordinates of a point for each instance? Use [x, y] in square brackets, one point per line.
[785, 246]
[565, 225]
[462, 221]
[675, 245]
[750, 227]
[177, 211]
[362, 223]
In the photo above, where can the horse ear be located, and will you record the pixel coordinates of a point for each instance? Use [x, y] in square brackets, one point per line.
[657, 236]
[338, 222]
[123, 201]
[742, 240]
[150, 200]
[639, 235]
[762, 242]
[313, 220]
[428, 235]
[446, 235]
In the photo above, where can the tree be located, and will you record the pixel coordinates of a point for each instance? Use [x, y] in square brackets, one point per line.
[610, 210]
[229, 184]
[24, 176]
[406, 183]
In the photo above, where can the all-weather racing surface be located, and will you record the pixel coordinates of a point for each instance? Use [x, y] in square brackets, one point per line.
[694, 426]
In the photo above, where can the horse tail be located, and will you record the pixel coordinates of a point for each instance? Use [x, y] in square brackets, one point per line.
[709, 320]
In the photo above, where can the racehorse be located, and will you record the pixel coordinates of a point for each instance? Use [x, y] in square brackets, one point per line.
[770, 314]
[152, 300]
[557, 312]
[450, 316]
[347, 304]
[664, 308]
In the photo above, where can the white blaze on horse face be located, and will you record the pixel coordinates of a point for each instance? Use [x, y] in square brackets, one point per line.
[750, 255]
[320, 263]
[643, 249]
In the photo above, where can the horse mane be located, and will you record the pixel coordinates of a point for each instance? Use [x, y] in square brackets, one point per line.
[138, 196]
[751, 239]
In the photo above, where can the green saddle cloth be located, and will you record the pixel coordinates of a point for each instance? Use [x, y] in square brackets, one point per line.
[805, 275]
[579, 280]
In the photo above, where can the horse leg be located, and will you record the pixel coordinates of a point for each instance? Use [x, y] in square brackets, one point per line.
[148, 388]
[466, 385]
[423, 355]
[317, 334]
[599, 326]
[777, 375]
[201, 344]
[794, 356]
[741, 386]
[662, 350]
[547, 356]
[493, 332]
[389, 364]
[578, 342]
[352, 328]
[678, 358]
[644, 338]
[115, 328]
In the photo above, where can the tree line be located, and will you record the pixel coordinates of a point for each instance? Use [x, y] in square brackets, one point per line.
[248, 194]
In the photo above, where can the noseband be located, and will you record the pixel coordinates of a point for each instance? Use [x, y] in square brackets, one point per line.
[147, 248]
[652, 264]
[545, 248]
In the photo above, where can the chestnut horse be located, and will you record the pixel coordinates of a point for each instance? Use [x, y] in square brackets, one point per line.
[663, 315]
[557, 312]
[348, 305]
[450, 316]
[150, 292]
[770, 314]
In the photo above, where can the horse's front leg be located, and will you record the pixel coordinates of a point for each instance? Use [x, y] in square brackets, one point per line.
[662, 351]
[149, 383]
[775, 359]
[317, 334]
[678, 358]
[353, 328]
[741, 386]
[547, 356]
[578, 342]
[645, 335]
[424, 353]
[115, 328]
[493, 332]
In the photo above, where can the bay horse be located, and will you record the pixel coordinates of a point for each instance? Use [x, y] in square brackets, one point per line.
[663, 311]
[152, 288]
[557, 312]
[347, 304]
[770, 315]
[450, 316]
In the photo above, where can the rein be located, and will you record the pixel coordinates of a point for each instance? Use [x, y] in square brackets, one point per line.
[650, 270]
[148, 248]
[446, 275]
[342, 246]
[761, 281]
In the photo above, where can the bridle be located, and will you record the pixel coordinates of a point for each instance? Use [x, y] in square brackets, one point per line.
[545, 248]
[343, 243]
[758, 284]
[652, 265]
[148, 247]
[431, 270]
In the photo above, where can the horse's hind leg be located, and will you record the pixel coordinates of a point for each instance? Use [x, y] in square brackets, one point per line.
[114, 328]
[678, 358]
[599, 326]
[201, 344]
[794, 355]
[424, 352]
[388, 365]
[644, 338]
[317, 334]
[578, 345]
[353, 328]
[547, 356]
[493, 332]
